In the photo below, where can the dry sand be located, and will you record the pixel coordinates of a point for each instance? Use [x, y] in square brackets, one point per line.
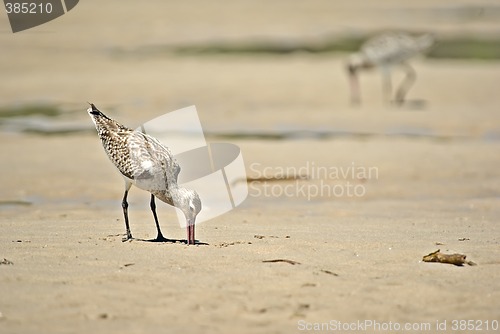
[436, 184]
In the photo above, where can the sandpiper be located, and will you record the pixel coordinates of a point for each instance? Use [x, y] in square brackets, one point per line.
[149, 165]
[386, 51]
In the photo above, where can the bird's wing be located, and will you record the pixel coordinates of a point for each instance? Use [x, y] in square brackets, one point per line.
[390, 48]
[152, 166]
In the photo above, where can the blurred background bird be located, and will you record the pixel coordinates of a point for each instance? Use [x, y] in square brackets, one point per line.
[385, 52]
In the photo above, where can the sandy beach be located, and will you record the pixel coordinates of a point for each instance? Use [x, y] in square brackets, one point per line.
[337, 251]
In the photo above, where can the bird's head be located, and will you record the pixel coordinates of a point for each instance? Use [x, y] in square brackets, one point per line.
[190, 204]
[354, 63]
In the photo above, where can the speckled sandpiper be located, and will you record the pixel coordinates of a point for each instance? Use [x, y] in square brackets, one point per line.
[149, 165]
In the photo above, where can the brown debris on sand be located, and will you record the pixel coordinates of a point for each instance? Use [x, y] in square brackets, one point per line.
[5, 261]
[456, 259]
[281, 260]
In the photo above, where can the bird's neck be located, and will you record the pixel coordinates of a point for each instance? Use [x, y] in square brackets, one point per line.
[172, 196]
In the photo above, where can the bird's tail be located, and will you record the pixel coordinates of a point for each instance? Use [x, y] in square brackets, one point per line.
[425, 41]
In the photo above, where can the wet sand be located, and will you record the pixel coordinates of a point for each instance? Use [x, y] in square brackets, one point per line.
[435, 181]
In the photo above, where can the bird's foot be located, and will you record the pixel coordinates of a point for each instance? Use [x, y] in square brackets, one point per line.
[415, 104]
[397, 102]
[161, 238]
[355, 103]
[128, 237]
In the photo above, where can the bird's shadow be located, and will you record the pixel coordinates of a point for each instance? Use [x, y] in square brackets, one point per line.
[172, 241]
[411, 105]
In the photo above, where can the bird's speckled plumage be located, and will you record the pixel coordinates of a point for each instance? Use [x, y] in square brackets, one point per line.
[393, 48]
[146, 163]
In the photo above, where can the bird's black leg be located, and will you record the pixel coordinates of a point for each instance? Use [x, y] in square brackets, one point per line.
[125, 213]
[405, 86]
[160, 236]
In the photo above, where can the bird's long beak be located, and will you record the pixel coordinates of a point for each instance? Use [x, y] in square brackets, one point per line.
[355, 91]
[190, 231]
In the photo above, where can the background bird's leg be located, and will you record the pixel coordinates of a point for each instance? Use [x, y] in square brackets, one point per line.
[408, 81]
[355, 88]
[152, 204]
[386, 85]
[125, 211]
